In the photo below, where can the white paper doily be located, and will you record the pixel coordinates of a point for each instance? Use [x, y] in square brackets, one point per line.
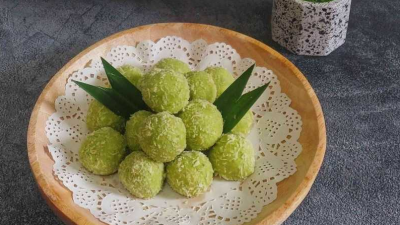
[274, 136]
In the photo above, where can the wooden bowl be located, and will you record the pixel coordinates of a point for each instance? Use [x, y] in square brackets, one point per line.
[291, 191]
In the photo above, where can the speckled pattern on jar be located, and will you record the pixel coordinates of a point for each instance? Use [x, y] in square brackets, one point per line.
[308, 28]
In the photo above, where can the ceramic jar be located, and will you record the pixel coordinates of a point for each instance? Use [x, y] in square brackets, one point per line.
[308, 28]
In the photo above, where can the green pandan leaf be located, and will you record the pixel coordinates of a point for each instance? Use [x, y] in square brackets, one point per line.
[107, 97]
[231, 95]
[124, 102]
[123, 87]
[241, 107]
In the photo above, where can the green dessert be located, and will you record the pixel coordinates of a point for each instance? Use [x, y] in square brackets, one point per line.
[131, 73]
[222, 78]
[141, 176]
[132, 129]
[203, 124]
[244, 125]
[165, 90]
[233, 157]
[99, 116]
[170, 124]
[201, 86]
[172, 64]
[190, 174]
[102, 151]
[162, 137]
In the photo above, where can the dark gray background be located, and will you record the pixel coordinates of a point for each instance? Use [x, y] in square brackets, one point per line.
[358, 86]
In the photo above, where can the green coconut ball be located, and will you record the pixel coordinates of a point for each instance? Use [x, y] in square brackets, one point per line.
[201, 86]
[244, 125]
[222, 78]
[132, 129]
[233, 157]
[162, 137]
[102, 151]
[203, 124]
[190, 174]
[165, 90]
[172, 64]
[141, 176]
[99, 116]
[131, 73]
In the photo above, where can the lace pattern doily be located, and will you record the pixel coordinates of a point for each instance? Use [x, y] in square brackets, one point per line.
[274, 137]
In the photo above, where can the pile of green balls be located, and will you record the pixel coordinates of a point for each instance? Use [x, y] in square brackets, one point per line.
[180, 139]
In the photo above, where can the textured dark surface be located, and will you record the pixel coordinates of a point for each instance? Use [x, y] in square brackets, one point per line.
[358, 86]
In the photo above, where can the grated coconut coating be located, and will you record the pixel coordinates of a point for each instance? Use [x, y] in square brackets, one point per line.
[133, 127]
[141, 176]
[102, 151]
[203, 123]
[233, 157]
[162, 137]
[99, 116]
[244, 126]
[131, 73]
[172, 64]
[201, 86]
[191, 174]
[154, 71]
[222, 78]
[165, 90]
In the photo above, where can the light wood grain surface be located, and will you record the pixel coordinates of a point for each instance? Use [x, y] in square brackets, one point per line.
[291, 191]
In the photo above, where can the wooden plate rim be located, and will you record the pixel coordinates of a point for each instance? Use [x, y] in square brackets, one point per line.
[276, 217]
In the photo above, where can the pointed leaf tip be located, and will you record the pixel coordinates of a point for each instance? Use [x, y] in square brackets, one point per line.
[226, 101]
[123, 86]
[241, 107]
[106, 97]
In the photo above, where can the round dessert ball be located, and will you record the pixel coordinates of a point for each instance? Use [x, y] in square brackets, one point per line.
[141, 176]
[132, 129]
[102, 151]
[203, 124]
[244, 126]
[131, 73]
[173, 64]
[201, 86]
[222, 78]
[190, 174]
[165, 90]
[233, 157]
[162, 137]
[99, 116]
